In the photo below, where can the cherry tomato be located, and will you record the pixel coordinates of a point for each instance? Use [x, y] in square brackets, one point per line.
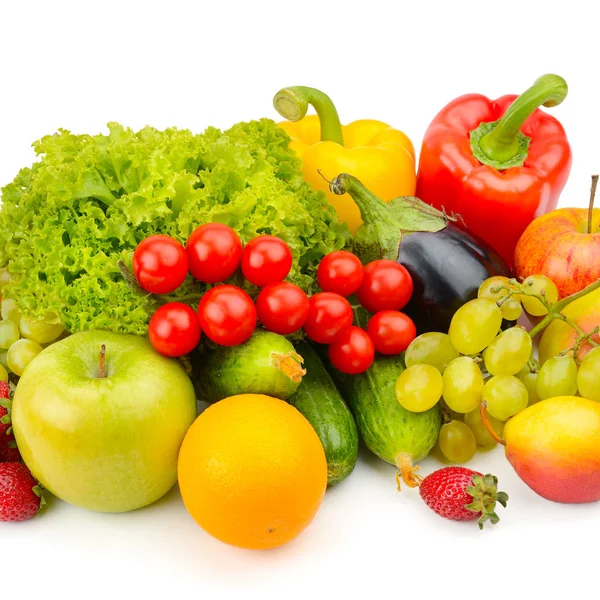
[353, 352]
[266, 259]
[214, 252]
[391, 331]
[329, 316]
[227, 315]
[386, 285]
[160, 264]
[282, 307]
[174, 329]
[340, 272]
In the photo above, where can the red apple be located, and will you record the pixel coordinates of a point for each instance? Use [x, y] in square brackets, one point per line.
[563, 245]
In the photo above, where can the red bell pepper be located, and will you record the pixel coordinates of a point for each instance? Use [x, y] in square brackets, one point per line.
[497, 163]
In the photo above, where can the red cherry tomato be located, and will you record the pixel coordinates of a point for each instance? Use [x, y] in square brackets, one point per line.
[282, 307]
[214, 252]
[160, 264]
[391, 331]
[386, 285]
[329, 316]
[353, 352]
[340, 272]
[174, 329]
[227, 315]
[266, 259]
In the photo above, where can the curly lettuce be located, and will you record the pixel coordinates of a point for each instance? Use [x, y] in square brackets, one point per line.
[67, 221]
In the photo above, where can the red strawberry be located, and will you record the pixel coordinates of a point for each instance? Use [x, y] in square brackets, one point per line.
[8, 447]
[4, 389]
[461, 494]
[20, 494]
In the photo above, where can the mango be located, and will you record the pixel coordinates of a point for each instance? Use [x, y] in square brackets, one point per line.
[554, 446]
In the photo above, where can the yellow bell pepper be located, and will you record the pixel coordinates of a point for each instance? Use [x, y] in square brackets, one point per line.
[381, 157]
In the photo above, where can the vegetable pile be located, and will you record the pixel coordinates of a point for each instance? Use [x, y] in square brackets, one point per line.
[231, 251]
[67, 220]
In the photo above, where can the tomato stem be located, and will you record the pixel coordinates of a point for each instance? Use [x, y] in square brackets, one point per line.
[487, 425]
[102, 372]
[592, 198]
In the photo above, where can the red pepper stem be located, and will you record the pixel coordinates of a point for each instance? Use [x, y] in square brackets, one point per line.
[502, 143]
[292, 104]
[592, 198]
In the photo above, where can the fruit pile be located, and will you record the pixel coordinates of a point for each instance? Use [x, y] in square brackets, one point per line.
[478, 362]
[398, 326]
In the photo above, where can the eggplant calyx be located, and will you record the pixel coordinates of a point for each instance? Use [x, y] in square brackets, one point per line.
[384, 223]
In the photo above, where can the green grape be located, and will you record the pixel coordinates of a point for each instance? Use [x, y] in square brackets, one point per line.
[505, 396]
[4, 359]
[433, 349]
[20, 354]
[4, 277]
[9, 310]
[588, 378]
[489, 288]
[511, 309]
[557, 377]
[482, 435]
[463, 384]
[457, 442]
[40, 331]
[509, 352]
[9, 334]
[3, 374]
[539, 285]
[529, 380]
[419, 388]
[475, 325]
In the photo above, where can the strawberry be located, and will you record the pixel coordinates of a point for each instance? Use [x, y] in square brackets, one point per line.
[20, 494]
[460, 494]
[8, 447]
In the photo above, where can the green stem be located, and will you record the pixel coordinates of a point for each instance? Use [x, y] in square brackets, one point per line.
[592, 198]
[555, 309]
[372, 209]
[292, 104]
[502, 143]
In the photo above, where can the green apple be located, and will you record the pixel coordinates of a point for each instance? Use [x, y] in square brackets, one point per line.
[103, 437]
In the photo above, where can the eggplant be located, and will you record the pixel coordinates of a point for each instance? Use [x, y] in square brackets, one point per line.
[446, 262]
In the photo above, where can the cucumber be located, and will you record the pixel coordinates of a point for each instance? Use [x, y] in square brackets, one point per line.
[320, 402]
[394, 434]
[266, 364]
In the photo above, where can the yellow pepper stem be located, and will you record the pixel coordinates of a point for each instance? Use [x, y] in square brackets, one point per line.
[292, 104]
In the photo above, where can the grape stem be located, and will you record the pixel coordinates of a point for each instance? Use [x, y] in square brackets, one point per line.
[487, 425]
[554, 311]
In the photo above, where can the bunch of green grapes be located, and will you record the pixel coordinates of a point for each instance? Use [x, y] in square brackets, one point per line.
[477, 362]
[21, 340]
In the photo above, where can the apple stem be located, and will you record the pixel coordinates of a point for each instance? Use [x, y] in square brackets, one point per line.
[487, 424]
[592, 196]
[102, 362]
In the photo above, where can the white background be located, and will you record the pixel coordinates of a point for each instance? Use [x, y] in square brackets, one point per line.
[195, 64]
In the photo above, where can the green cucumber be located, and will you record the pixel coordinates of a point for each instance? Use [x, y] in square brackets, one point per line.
[319, 400]
[394, 434]
[266, 364]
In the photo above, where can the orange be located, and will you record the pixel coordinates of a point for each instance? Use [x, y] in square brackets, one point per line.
[252, 471]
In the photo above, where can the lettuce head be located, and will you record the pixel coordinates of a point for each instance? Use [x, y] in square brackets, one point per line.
[67, 221]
